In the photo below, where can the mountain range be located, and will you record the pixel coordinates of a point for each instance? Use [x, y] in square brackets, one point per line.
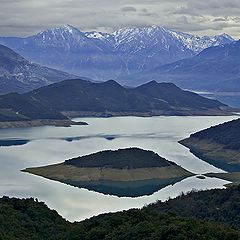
[20, 75]
[214, 69]
[84, 98]
[104, 56]
[79, 98]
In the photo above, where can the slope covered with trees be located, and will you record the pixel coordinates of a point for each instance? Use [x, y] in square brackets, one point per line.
[85, 98]
[129, 158]
[218, 145]
[208, 215]
[227, 134]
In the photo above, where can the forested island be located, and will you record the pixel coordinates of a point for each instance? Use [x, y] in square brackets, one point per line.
[124, 172]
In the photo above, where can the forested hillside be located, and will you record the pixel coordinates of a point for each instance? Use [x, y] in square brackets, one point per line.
[208, 215]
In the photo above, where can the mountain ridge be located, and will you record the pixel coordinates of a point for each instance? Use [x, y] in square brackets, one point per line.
[103, 56]
[214, 69]
[80, 98]
[19, 75]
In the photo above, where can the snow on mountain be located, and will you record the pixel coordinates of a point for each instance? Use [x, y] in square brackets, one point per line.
[197, 43]
[63, 36]
[101, 56]
[215, 69]
[166, 38]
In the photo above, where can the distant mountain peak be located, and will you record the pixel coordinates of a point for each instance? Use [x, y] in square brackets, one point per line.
[226, 35]
[62, 28]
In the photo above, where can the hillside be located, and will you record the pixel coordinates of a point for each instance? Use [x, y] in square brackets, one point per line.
[214, 69]
[103, 56]
[219, 145]
[80, 98]
[18, 110]
[130, 158]
[19, 75]
[214, 205]
[125, 172]
[84, 98]
[29, 219]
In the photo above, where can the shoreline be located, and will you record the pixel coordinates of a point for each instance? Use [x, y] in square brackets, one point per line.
[213, 153]
[157, 113]
[39, 123]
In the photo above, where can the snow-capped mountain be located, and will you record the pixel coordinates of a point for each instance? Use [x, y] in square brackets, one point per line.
[215, 69]
[103, 56]
[19, 75]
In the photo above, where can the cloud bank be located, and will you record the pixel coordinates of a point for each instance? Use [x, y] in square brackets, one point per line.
[208, 17]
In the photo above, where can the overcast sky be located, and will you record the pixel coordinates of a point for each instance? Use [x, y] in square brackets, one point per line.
[202, 17]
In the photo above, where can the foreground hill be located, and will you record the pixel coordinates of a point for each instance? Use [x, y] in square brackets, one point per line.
[85, 98]
[219, 145]
[124, 172]
[102, 56]
[187, 217]
[19, 75]
[213, 69]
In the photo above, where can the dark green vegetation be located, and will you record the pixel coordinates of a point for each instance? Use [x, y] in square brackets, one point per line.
[218, 145]
[227, 134]
[210, 215]
[16, 107]
[221, 206]
[23, 111]
[129, 158]
[19, 75]
[85, 98]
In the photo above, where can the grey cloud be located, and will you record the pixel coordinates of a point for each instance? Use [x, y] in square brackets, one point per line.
[26, 17]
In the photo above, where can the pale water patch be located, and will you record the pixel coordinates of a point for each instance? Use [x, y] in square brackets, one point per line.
[52, 145]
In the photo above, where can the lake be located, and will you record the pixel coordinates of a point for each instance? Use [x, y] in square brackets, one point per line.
[32, 147]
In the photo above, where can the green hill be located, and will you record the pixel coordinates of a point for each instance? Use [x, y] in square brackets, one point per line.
[84, 98]
[209, 215]
[218, 145]
[129, 158]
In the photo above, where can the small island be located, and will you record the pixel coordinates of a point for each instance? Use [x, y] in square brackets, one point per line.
[125, 172]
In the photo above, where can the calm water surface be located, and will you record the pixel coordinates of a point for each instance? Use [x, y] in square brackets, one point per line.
[50, 145]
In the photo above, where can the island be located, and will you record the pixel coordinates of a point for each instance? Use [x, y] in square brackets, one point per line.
[128, 172]
[218, 145]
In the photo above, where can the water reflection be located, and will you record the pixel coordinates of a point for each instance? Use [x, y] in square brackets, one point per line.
[48, 145]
